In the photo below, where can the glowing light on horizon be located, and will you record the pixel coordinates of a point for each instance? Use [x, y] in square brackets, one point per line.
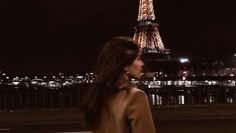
[183, 60]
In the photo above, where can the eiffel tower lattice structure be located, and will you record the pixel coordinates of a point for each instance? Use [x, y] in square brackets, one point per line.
[156, 57]
[146, 31]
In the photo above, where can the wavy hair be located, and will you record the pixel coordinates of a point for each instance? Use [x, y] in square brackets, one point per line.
[116, 54]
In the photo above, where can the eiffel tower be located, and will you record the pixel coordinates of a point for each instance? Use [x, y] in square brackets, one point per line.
[146, 31]
[154, 53]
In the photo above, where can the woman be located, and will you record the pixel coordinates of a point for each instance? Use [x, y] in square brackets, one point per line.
[114, 105]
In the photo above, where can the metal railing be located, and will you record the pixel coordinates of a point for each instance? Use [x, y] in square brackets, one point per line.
[40, 98]
[172, 95]
[14, 98]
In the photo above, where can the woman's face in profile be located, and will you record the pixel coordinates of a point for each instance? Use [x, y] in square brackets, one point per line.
[135, 69]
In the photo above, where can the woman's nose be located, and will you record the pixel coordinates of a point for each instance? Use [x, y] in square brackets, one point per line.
[142, 63]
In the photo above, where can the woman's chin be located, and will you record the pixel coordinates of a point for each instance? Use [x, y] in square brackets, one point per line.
[138, 76]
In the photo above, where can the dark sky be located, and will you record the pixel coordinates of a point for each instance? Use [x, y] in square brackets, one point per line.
[40, 36]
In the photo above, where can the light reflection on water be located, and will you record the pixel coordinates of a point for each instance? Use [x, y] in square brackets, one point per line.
[159, 100]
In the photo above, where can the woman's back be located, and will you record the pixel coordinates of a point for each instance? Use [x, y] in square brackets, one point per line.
[110, 109]
[129, 112]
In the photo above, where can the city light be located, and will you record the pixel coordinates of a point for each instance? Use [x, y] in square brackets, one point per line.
[80, 77]
[183, 60]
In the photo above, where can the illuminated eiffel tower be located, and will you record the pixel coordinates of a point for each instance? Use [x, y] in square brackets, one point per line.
[155, 55]
[147, 34]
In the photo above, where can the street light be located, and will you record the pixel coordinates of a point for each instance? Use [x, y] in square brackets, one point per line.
[183, 60]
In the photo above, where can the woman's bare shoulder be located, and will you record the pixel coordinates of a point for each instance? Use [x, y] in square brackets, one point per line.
[136, 91]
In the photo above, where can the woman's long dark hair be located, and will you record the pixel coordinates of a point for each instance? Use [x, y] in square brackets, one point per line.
[114, 57]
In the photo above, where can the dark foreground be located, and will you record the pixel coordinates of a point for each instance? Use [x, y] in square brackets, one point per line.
[195, 119]
[169, 126]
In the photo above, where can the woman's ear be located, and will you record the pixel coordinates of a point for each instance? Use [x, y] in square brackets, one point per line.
[126, 68]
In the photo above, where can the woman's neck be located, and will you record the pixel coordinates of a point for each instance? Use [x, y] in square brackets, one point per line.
[124, 81]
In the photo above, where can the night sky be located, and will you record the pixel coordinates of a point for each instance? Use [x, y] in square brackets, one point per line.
[40, 36]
